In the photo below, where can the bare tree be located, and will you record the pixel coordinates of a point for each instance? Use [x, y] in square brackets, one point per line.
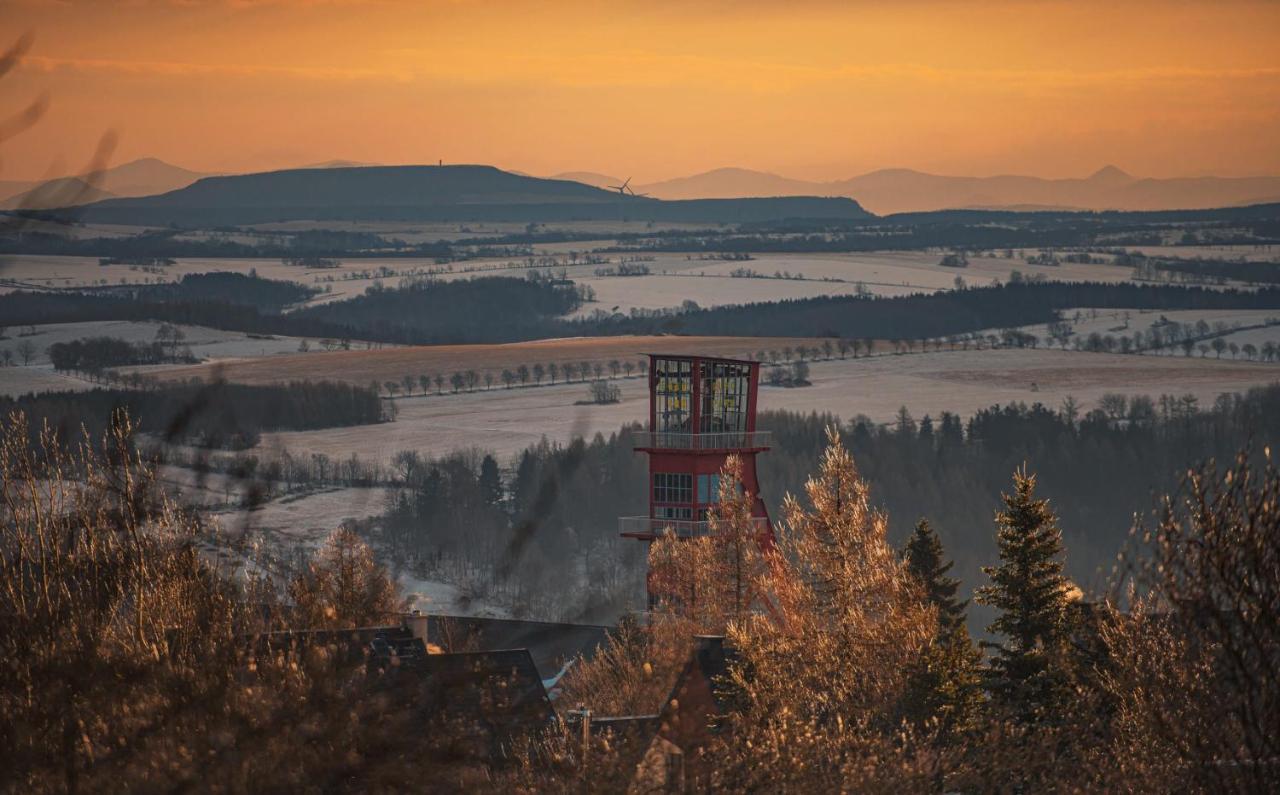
[26, 351]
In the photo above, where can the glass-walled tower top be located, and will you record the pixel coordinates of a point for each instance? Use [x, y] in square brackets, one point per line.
[700, 403]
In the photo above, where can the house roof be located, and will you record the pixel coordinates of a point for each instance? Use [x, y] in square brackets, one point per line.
[550, 644]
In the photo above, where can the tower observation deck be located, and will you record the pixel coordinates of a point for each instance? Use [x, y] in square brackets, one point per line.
[701, 411]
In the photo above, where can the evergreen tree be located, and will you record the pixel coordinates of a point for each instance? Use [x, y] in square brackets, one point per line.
[924, 561]
[1027, 672]
[945, 684]
[490, 481]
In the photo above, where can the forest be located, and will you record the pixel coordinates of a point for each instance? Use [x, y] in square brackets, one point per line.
[923, 316]
[95, 354]
[506, 309]
[497, 309]
[844, 654]
[215, 414]
[554, 520]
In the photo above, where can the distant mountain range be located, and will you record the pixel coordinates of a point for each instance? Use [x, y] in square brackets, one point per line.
[442, 193]
[144, 177]
[903, 190]
[882, 192]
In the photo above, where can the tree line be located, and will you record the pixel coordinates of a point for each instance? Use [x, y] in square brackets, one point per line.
[215, 414]
[508, 310]
[846, 657]
[561, 503]
[93, 355]
[132, 657]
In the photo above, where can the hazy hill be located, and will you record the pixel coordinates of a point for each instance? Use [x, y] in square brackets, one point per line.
[56, 193]
[340, 164]
[431, 193]
[591, 178]
[904, 190]
[734, 183]
[144, 177]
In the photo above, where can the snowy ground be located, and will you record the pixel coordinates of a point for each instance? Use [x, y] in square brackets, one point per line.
[506, 421]
[208, 345]
[18, 380]
[1126, 322]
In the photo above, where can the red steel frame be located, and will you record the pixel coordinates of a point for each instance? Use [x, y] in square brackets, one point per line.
[708, 461]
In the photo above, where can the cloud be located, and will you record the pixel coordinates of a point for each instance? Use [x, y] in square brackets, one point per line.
[184, 69]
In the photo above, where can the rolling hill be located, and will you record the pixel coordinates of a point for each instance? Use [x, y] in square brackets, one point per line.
[904, 190]
[443, 193]
[144, 177]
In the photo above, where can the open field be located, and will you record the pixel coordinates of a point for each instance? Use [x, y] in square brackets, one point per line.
[1253, 253]
[16, 381]
[361, 367]
[674, 277]
[506, 421]
[1127, 322]
[707, 282]
[205, 343]
[304, 519]
[210, 345]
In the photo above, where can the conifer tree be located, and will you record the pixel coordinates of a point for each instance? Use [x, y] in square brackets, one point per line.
[945, 684]
[1027, 672]
[924, 561]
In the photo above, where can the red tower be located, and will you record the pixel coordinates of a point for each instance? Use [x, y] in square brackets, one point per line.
[701, 411]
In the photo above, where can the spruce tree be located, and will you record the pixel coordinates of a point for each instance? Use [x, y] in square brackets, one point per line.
[924, 561]
[1027, 671]
[945, 682]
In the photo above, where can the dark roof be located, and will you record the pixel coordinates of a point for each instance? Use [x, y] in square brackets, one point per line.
[701, 693]
[692, 356]
[550, 644]
[371, 643]
[485, 683]
[477, 703]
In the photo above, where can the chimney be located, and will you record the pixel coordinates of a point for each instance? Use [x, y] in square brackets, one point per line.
[709, 647]
[416, 623]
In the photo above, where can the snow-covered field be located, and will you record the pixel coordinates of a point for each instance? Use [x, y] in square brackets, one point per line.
[18, 380]
[209, 345]
[206, 343]
[304, 519]
[707, 282]
[674, 277]
[1127, 322]
[506, 421]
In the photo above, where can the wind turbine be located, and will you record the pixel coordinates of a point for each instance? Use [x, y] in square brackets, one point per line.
[625, 189]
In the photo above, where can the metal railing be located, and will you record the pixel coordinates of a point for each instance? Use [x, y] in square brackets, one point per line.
[732, 440]
[647, 525]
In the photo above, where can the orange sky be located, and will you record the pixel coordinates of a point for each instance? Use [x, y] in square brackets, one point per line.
[655, 89]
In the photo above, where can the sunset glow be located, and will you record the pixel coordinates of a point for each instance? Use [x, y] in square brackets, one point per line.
[655, 89]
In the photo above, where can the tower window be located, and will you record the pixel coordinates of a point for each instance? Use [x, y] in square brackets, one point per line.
[672, 487]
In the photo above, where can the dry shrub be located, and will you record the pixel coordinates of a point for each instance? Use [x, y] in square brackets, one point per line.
[1193, 668]
[713, 580]
[127, 660]
[343, 586]
[822, 673]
